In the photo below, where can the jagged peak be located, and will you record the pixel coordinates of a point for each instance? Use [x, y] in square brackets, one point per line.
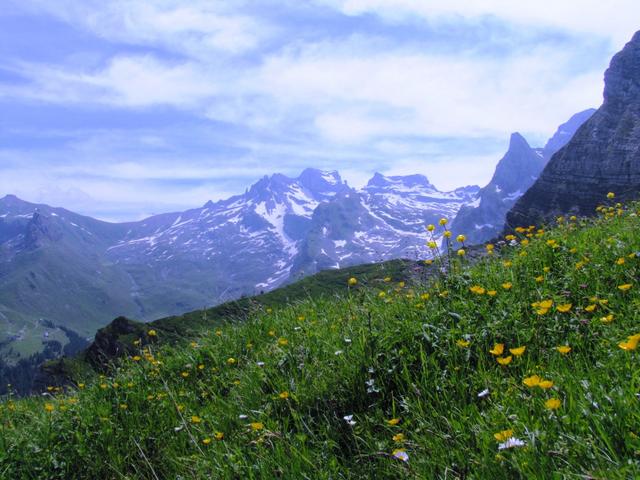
[319, 181]
[517, 141]
[380, 180]
[622, 78]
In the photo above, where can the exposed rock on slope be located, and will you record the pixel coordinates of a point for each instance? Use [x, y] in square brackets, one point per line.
[603, 155]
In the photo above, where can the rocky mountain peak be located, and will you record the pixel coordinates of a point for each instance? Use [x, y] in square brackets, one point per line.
[622, 78]
[520, 163]
[603, 156]
[409, 181]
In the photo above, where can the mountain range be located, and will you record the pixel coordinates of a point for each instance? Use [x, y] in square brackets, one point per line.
[60, 269]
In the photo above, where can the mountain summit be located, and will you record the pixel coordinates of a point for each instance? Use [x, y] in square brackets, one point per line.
[603, 156]
[484, 218]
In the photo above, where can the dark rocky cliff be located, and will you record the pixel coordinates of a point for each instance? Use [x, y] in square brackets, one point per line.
[603, 156]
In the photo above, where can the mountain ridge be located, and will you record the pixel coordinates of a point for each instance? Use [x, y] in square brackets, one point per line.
[603, 156]
[484, 218]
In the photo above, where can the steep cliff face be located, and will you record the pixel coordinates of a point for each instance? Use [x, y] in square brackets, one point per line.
[603, 156]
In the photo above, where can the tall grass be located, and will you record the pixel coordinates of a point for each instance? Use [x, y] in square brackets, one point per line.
[387, 382]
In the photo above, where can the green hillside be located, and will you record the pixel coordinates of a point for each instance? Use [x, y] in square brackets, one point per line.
[116, 339]
[523, 365]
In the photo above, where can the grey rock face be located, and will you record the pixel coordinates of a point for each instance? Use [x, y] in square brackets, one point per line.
[603, 155]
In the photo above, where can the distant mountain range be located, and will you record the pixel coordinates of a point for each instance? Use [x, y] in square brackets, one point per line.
[58, 268]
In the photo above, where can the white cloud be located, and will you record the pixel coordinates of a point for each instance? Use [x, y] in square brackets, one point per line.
[614, 19]
[356, 97]
[373, 100]
[126, 81]
[198, 28]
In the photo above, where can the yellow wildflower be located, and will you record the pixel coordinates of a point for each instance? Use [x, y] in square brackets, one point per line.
[564, 308]
[431, 227]
[152, 333]
[552, 404]
[284, 395]
[461, 252]
[393, 421]
[507, 285]
[231, 360]
[625, 287]
[447, 234]
[532, 381]
[219, 436]
[255, 426]
[504, 360]
[442, 221]
[497, 349]
[352, 281]
[49, 407]
[461, 238]
[503, 435]
[545, 384]
[630, 344]
[206, 441]
[491, 293]
[607, 319]
[546, 303]
[590, 308]
[516, 352]
[563, 349]
[283, 341]
[463, 343]
[398, 437]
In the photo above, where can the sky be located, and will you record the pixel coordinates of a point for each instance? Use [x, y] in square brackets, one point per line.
[120, 109]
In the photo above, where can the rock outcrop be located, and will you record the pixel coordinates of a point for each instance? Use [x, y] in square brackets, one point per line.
[603, 156]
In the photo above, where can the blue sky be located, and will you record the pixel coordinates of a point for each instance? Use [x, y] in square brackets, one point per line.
[124, 108]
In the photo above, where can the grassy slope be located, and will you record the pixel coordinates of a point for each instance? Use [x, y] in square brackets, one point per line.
[378, 358]
[116, 339]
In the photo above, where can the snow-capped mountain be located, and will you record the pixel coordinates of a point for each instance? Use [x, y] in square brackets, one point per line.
[386, 219]
[240, 244]
[76, 271]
